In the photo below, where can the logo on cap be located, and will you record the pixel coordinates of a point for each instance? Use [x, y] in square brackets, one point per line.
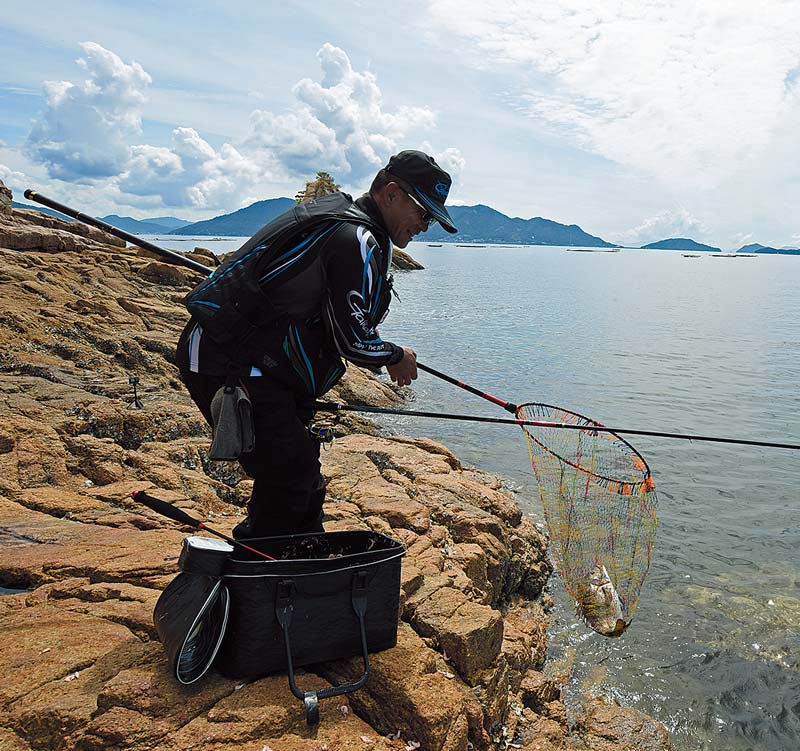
[442, 189]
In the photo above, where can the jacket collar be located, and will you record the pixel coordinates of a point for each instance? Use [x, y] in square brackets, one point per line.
[370, 208]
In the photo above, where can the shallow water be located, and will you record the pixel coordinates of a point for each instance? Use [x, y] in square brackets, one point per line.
[655, 341]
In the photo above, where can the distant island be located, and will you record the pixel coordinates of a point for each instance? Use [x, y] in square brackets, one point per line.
[42, 209]
[160, 225]
[241, 223]
[485, 225]
[679, 243]
[756, 248]
[477, 225]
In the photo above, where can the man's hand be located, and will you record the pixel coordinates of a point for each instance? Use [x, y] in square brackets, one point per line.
[405, 371]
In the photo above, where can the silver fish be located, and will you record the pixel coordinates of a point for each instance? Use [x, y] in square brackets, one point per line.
[598, 604]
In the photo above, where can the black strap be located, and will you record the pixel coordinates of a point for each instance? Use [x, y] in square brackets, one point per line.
[284, 609]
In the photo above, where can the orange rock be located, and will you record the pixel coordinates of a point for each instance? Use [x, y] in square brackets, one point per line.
[80, 314]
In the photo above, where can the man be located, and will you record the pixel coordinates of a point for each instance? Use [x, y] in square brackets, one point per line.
[277, 316]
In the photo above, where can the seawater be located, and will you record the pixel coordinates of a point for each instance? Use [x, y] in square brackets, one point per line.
[647, 340]
[656, 341]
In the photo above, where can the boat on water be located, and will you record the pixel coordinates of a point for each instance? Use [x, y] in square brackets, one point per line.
[593, 250]
[470, 246]
[691, 255]
[434, 245]
[734, 255]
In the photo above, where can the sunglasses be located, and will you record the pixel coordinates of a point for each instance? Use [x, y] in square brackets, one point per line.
[427, 218]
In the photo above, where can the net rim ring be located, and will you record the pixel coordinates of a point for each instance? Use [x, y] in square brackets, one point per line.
[590, 423]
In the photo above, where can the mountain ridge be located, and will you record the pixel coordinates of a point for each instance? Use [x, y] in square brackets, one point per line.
[483, 224]
[42, 209]
[477, 224]
[144, 226]
[768, 250]
[241, 223]
[679, 243]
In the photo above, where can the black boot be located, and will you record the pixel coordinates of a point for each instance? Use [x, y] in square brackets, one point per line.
[243, 530]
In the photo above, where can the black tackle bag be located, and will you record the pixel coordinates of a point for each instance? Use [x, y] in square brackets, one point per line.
[327, 596]
[191, 614]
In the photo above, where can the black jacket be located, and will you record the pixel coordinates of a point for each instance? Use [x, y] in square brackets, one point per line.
[307, 289]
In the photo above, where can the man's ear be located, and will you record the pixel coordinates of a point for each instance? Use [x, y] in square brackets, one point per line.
[387, 194]
[392, 191]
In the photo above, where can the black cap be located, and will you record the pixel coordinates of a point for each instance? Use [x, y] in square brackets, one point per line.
[428, 180]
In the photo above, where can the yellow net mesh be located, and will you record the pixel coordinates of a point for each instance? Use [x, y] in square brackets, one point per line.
[599, 502]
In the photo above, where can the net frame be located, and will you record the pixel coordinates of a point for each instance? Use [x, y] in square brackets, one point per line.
[599, 502]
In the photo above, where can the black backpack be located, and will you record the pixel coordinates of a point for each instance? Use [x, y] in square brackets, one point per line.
[233, 304]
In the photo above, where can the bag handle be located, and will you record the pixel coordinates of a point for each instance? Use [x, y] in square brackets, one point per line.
[284, 607]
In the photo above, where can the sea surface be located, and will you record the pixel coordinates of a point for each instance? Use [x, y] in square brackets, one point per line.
[650, 340]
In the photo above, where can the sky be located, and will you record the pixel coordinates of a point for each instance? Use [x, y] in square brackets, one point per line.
[637, 121]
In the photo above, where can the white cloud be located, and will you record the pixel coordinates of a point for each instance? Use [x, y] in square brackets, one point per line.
[85, 130]
[89, 133]
[666, 224]
[450, 160]
[687, 92]
[12, 177]
[742, 238]
[191, 173]
[338, 125]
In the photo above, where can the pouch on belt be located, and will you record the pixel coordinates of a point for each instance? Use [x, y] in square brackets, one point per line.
[234, 434]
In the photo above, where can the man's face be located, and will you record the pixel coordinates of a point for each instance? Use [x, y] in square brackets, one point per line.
[403, 217]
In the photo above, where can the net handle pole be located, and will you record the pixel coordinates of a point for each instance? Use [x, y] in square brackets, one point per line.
[336, 407]
[168, 255]
[508, 406]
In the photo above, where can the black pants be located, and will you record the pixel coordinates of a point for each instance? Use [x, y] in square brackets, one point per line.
[288, 489]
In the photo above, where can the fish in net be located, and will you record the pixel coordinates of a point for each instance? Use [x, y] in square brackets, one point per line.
[599, 501]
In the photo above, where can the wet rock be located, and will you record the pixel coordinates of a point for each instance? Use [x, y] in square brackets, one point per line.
[493, 689]
[403, 261]
[537, 733]
[525, 637]
[608, 727]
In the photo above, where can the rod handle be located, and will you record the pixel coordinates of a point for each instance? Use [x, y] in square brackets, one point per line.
[168, 255]
[165, 509]
[508, 406]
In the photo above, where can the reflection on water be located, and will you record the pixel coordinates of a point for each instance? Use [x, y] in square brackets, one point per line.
[647, 340]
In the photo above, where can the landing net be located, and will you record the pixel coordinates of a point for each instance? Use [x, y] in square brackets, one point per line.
[599, 502]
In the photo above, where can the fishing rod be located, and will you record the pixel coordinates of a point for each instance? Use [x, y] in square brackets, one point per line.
[337, 407]
[178, 259]
[513, 408]
[506, 405]
[180, 516]
[170, 255]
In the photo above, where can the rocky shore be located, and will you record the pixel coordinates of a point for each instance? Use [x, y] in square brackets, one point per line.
[81, 315]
